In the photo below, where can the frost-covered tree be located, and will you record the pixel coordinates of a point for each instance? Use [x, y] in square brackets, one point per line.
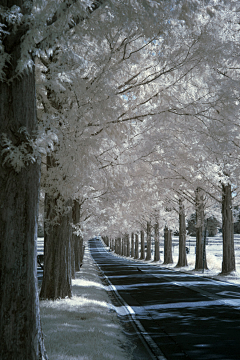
[73, 96]
[26, 27]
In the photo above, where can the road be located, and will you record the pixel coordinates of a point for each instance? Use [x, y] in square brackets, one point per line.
[185, 316]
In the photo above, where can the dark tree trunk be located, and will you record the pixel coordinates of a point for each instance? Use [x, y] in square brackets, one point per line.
[136, 255]
[200, 246]
[107, 240]
[228, 263]
[128, 245]
[148, 257]
[79, 252]
[77, 240]
[73, 271]
[132, 245]
[118, 246]
[156, 240]
[168, 246]
[20, 329]
[182, 259]
[142, 246]
[124, 245]
[57, 252]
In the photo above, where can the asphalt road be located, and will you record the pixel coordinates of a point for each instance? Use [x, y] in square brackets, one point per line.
[186, 316]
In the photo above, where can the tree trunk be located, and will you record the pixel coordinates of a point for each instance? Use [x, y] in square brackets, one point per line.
[107, 240]
[128, 245]
[148, 257]
[182, 259]
[118, 246]
[125, 245]
[73, 271]
[136, 255]
[20, 330]
[78, 243]
[200, 246]
[77, 239]
[132, 245]
[156, 240]
[228, 263]
[168, 246]
[57, 251]
[142, 246]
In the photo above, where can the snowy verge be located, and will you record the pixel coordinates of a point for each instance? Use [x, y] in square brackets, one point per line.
[84, 327]
[214, 265]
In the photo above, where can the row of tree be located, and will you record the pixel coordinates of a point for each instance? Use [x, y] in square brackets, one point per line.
[134, 109]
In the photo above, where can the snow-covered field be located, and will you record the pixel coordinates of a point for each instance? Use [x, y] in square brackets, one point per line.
[214, 257]
[84, 327]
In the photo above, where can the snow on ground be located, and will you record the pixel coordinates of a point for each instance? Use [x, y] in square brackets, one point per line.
[213, 255]
[84, 327]
[214, 258]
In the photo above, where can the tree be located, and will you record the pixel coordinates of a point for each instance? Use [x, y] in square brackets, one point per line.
[57, 252]
[23, 32]
[156, 242]
[148, 256]
[182, 258]
[228, 264]
[20, 330]
[142, 257]
[167, 246]
[136, 255]
[200, 250]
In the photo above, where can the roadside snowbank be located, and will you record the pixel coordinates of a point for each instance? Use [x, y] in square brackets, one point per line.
[84, 327]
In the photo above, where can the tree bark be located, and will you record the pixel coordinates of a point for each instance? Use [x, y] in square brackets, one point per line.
[122, 246]
[200, 246]
[148, 257]
[107, 241]
[156, 240]
[167, 246]
[136, 255]
[142, 246]
[128, 245]
[182, 259]
[73, 271]
[228, 263]
[77, 239]
[57, 275]
[20, 329]
[118, 246]
[132, 245]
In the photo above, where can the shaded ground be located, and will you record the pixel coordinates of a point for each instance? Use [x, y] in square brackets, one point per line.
[187, 317]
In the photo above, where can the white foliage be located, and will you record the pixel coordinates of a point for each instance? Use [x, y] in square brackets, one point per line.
[145, 107]
[17, 156]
